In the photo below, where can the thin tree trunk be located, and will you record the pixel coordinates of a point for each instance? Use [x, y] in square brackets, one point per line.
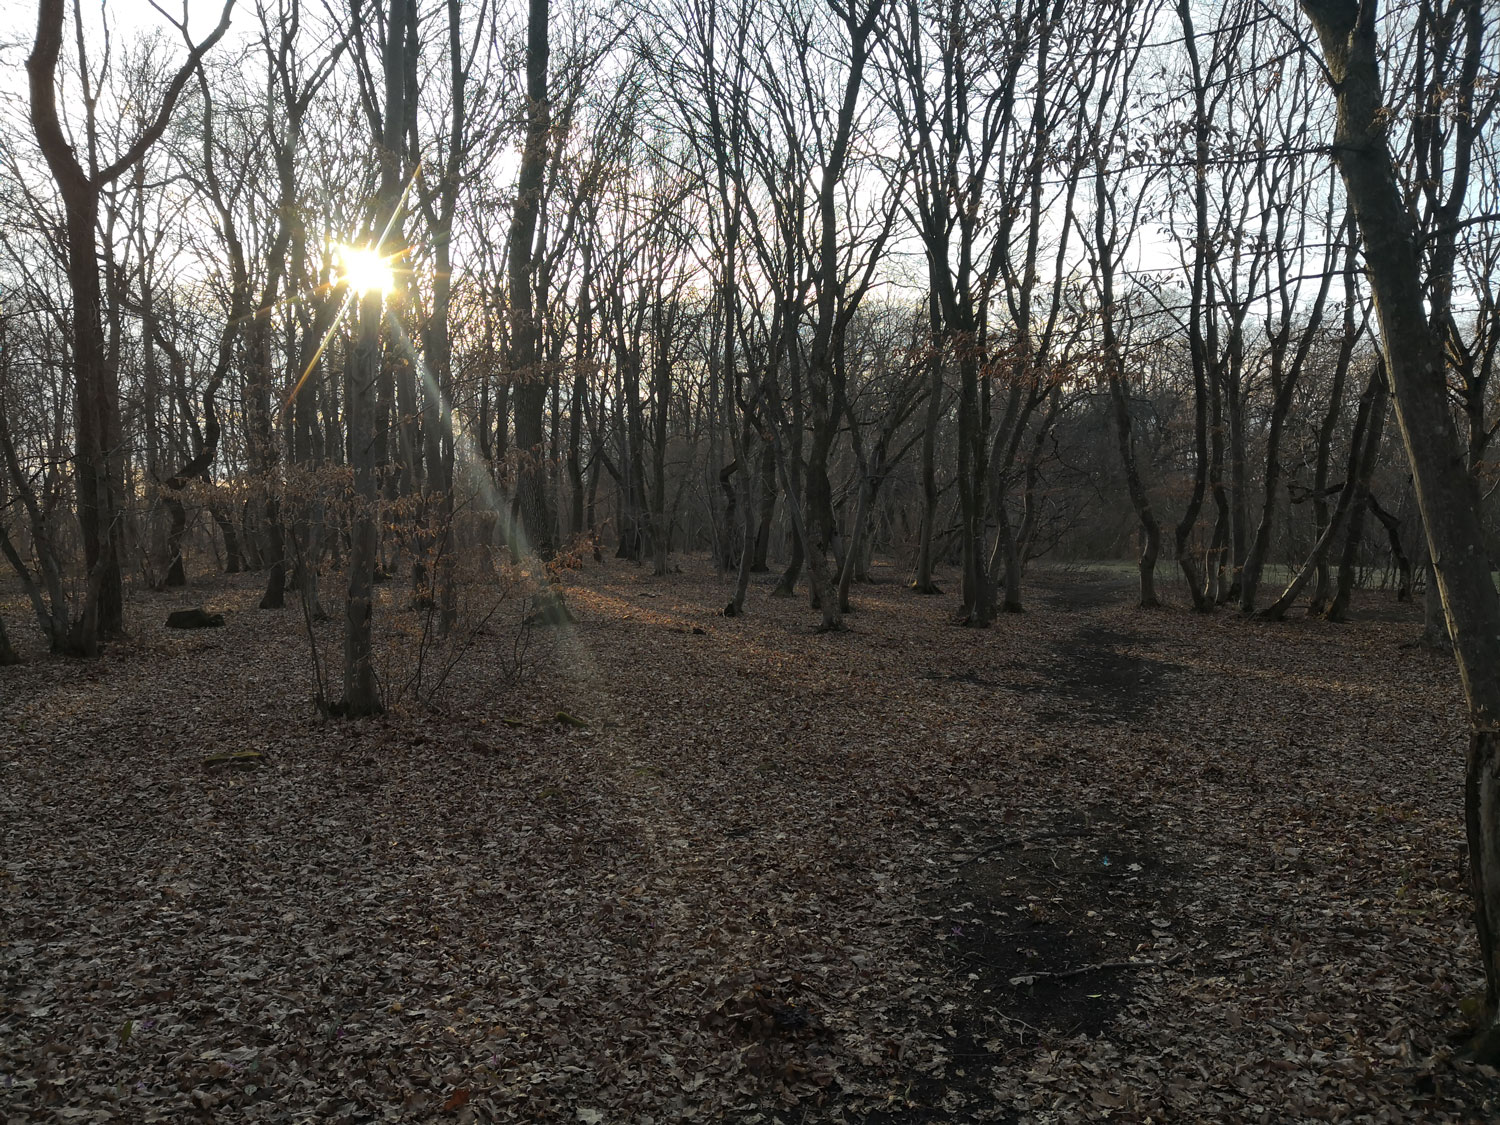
[361, 688]
[759, 562]
[1338, 608]
[1198, 345]
[1114, 367]
[1364, 445]
[531, 384]
[1398, 553]
[923, 583]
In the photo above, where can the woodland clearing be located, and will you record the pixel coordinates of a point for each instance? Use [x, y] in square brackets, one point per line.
[1096, 863]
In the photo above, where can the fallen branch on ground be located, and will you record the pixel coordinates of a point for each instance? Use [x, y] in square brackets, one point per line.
[1102, 966]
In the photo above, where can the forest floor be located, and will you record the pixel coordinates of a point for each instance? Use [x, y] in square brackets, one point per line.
[1093, 864]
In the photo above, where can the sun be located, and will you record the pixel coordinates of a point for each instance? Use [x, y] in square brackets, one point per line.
[364, 270]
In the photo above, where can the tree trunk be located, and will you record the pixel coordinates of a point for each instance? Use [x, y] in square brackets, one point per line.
[1338, 608]
[817, 576]
[1239, 488]
[1398, 553]
[234, 559]
[1329, 424]
[99, 464]
[728, 549]
[1446, 490]
[1119, 398]
[361, 689]
[747, 508]
[923, 583]
[1364, 445]
[177, 531]
[978, 608]
[661, 396]
[1255, 560]
[1434, 623]
[758, 560]
[1198, 344]
[366, 378]
[530, 392]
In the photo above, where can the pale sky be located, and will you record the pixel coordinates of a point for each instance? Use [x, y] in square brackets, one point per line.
[127, 17]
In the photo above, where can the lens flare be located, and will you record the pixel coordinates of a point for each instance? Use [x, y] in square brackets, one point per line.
[364, 270]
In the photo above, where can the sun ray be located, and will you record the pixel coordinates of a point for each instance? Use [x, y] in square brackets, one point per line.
[317, 355]
[373, 271]
[365, 269]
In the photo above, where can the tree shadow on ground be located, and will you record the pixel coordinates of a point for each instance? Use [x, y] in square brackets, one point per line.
[1048, 935]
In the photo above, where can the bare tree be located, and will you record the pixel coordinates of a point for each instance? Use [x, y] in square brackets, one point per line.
[529, 380]
[1448, 494]
[361, 688]
[98, 465]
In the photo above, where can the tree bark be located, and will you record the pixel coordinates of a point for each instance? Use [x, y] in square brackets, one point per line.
[7, 654]
[361, 688]
[1119, 398]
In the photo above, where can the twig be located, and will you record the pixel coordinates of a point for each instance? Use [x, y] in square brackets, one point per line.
[1003, 845]
[1102, 966]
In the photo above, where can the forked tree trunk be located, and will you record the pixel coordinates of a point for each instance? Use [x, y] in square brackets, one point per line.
[1005, 561]
[1363, 446]
[1399, 560]
[817, 577]
[99, 455]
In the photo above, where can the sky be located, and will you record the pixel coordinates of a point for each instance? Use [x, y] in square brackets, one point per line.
[126, 18]
[20, 15]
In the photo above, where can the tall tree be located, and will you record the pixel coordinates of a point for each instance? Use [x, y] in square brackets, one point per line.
[98, 457]
[527, 377]
[361, 687]
[1348, 32]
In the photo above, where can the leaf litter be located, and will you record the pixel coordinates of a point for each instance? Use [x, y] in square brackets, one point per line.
[696, 869]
